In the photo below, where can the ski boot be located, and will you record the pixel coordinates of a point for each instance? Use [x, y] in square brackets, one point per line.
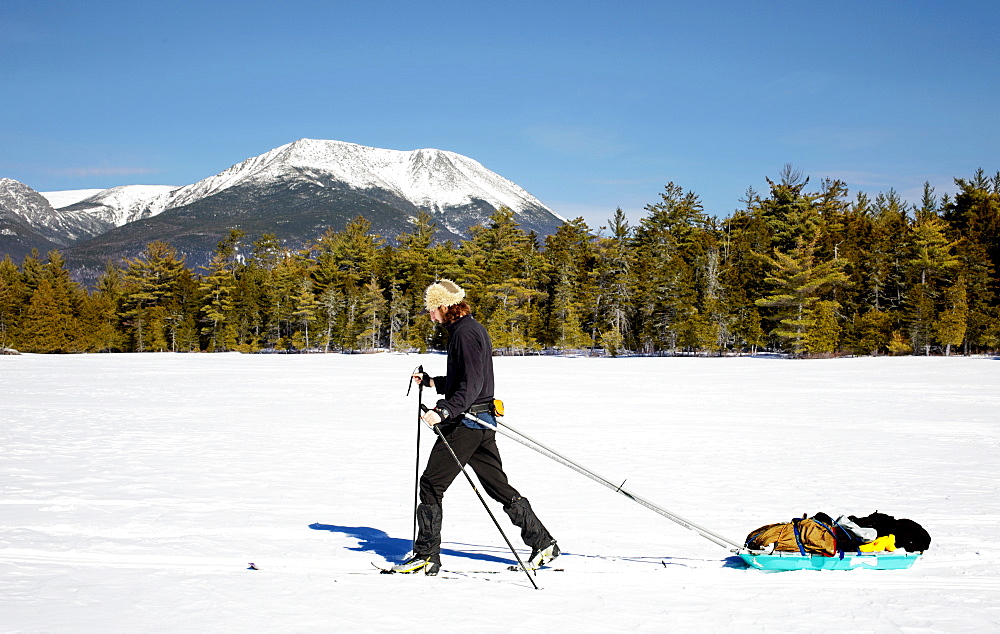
[430, 565]
[542, 556]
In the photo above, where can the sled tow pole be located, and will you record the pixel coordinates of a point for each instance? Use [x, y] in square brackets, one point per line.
[531, 443]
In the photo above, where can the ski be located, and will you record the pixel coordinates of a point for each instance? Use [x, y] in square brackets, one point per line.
[383, 571]
[511, 568]
[516, 568]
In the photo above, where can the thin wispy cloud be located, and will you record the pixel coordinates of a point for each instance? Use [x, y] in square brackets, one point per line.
[796, 84]
[86, 172]
[909, 187]
[839, 138]
[581, 140]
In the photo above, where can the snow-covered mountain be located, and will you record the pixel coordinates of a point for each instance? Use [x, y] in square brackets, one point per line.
[299, 190]
[434, 180]
[296, 191]
[118, 205]
[28, 221]
[68, 197]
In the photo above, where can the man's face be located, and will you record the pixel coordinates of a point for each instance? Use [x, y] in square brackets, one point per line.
[437, 315]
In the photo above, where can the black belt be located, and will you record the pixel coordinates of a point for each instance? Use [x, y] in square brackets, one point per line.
[479, 408]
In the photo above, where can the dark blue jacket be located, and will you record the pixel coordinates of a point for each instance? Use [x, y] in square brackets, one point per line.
[470, 368]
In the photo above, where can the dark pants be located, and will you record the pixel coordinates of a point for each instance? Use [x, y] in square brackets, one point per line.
[476, 448]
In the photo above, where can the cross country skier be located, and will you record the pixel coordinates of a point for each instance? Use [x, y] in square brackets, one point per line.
[467, 388]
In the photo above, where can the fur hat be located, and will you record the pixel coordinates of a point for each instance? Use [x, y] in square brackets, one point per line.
[443, 293]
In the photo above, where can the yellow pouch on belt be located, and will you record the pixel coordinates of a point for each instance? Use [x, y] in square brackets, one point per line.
[497, 407]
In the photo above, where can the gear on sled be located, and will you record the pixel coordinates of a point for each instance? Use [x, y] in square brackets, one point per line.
[804, 543]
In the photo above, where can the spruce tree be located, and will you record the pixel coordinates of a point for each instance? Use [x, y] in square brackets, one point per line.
[218, 289]
[745, 241]
[670, 247]
[373, 309]
[952, 322]
[572, 291]
[932, 263]
[217, 292]
[974, 216]
[874, 331]
[615, 286]
[823, 334]
[799, 282]
[52, 322]
[500, 268]
[330, 306]
[151, 307]
[14, 296]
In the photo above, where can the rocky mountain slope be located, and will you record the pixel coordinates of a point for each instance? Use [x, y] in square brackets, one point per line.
[295, 191]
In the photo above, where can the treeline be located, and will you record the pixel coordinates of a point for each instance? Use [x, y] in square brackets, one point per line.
[806, 272]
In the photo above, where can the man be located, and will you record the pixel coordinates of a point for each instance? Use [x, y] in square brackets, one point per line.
[467, 388]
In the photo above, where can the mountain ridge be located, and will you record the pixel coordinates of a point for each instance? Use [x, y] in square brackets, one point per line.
[295, 191]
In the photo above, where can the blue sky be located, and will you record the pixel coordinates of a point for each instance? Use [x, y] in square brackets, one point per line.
[587, 105]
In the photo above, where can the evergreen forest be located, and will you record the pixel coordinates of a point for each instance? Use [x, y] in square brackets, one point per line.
[802, 269]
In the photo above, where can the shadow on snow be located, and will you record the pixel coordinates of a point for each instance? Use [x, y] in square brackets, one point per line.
[393, 548]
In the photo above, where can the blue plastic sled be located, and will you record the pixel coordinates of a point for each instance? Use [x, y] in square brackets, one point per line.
[850, 561]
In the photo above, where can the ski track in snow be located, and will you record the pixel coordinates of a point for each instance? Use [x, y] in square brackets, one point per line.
[137, 489]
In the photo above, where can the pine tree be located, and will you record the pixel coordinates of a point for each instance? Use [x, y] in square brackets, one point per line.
[923, 315]
[217, 290]
[931, 263]
[792, 215]
[500, 269]
[570, 256]
[823, 335]
[744, 244]
[398, 318]
[953, 320]
[284, 290]
[31, 271]
[670, 245]
[14, 296]
[898, 345]
[305, 313]
[254, 296]
[331, 306]
[373, 307]
[874, 330]
[151, 299]
[974, 216]
[800, 283]
[51, 321]
[43, 331]
[98, 317]
[613, 300]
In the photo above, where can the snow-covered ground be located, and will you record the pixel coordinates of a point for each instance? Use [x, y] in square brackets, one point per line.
[136, 489]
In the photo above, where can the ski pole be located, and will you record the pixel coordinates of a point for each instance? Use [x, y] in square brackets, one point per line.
[548, 452]
[416, 471]
[485, 506]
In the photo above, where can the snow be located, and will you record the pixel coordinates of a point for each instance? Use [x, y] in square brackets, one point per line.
[116, 206]
[138, 488]
[431, 179]
[428, 178]
[68, 197]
